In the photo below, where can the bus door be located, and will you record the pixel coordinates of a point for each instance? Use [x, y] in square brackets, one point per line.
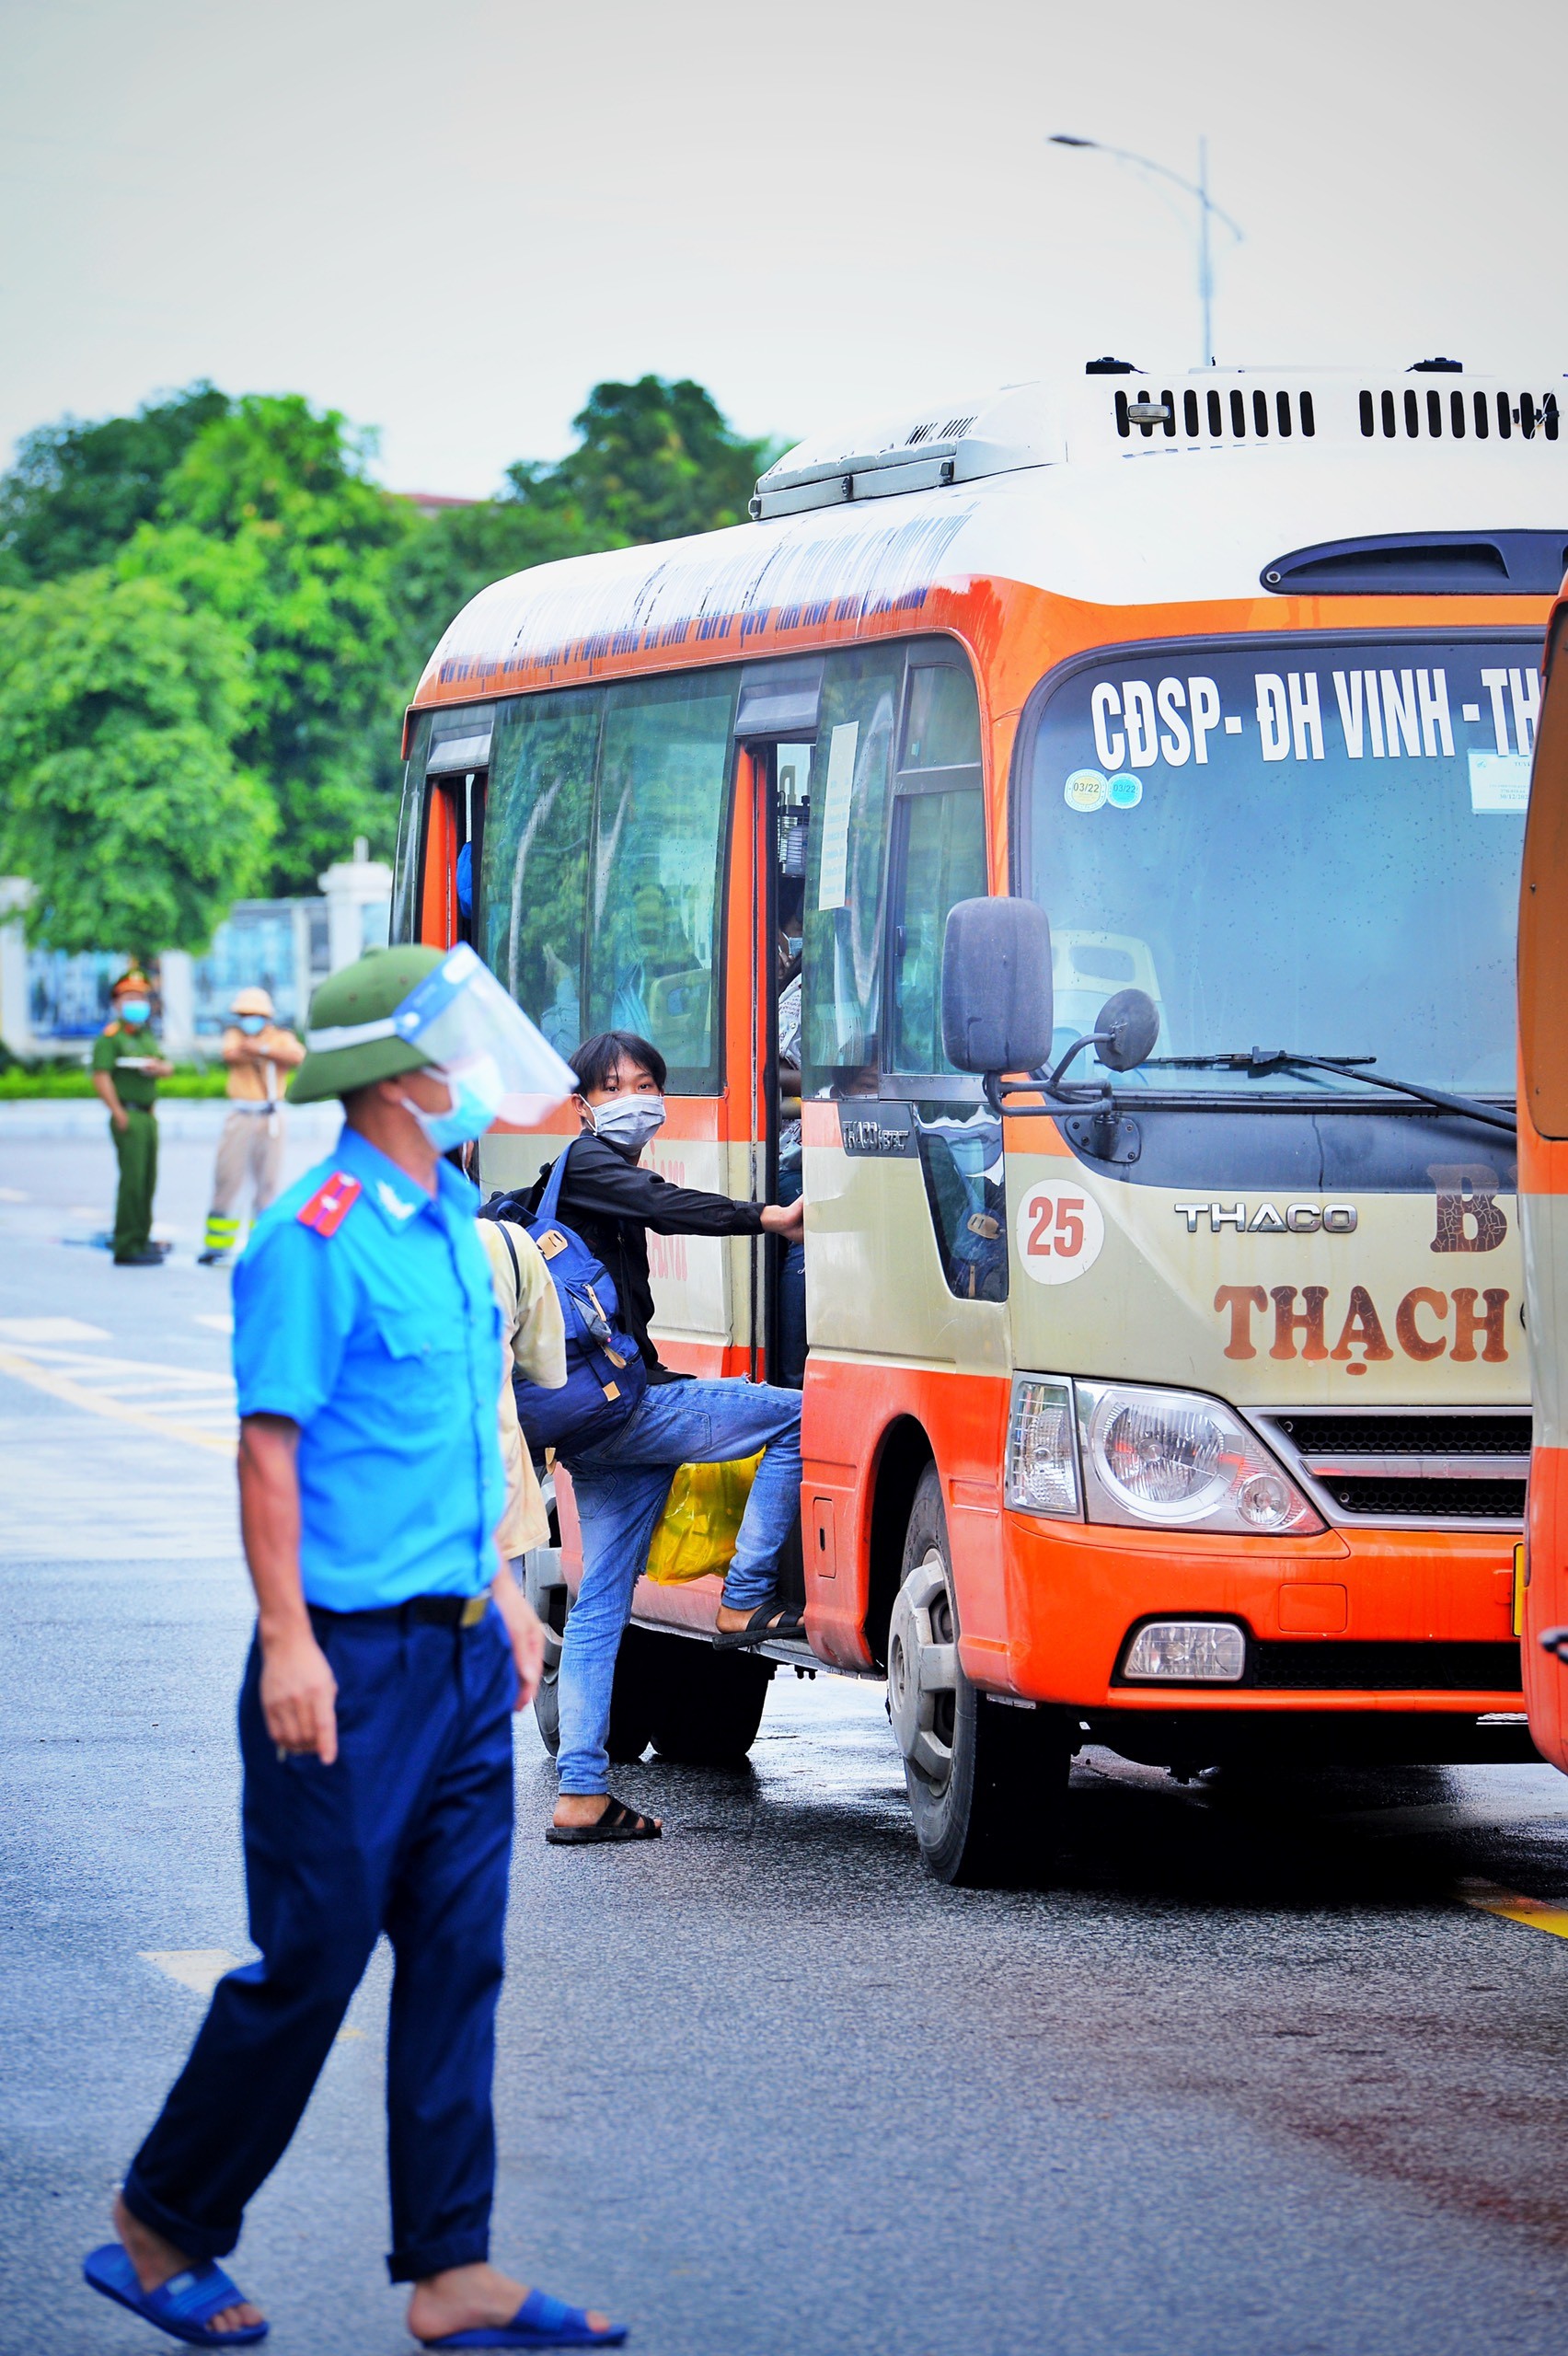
[1541, 1582]
[775, 727]
[907, 1267]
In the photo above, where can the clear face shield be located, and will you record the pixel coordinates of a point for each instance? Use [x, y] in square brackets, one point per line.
[492, 1055]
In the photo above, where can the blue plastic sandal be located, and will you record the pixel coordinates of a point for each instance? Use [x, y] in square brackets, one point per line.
[541, 2322]
[182, 2306]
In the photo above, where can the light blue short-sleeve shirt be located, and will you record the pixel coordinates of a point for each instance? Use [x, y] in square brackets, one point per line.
[381, 1340]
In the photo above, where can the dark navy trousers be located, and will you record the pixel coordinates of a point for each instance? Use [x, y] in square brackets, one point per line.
[409, 1832]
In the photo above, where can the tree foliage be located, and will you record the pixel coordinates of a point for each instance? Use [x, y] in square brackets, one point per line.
[655, 460]
[246, 537]
[121, 798]
[78, 491]
[272, 522]
[461, 550]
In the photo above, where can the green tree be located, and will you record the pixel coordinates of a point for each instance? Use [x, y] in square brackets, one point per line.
[460, 551]
[76, 492]
[272, 522]
[120, 794]
[655, 460]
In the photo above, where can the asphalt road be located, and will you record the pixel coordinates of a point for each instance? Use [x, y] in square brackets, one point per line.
[1259, 2074]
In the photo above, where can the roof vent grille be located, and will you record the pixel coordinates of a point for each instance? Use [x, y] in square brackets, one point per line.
[1236, 415]
[1411, 415]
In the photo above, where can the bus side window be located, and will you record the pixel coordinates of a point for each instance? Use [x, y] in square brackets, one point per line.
[658, 840]
[532, 896]
[851, 773]
[939, 856]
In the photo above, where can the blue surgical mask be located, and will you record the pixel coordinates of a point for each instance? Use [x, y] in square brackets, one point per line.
[134, 1010]
[252, 1024]
[628, 1121]
[476, 1088]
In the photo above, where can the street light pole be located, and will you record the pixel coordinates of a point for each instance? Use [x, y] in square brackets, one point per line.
[1207, 210]
[1205, 267]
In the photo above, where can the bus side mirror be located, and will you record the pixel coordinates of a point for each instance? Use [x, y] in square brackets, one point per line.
[1127, 1027]
[996, 986]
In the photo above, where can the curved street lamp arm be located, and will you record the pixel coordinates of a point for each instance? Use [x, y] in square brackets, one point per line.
[1129, 156]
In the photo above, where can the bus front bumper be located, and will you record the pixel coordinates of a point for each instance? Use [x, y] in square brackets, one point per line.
[1350, 1621]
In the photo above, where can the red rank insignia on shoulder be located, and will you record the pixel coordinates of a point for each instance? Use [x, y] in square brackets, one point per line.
[331, 1204]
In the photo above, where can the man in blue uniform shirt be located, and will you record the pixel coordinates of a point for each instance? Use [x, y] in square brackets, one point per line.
[391, 1649]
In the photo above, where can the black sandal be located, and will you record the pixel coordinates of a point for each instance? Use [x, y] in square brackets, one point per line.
[769, 1623]
[618, 1823]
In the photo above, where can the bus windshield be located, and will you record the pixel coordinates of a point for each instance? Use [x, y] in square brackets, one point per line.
[1311, 846]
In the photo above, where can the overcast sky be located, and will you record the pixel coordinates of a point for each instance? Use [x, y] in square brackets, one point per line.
[450, 220]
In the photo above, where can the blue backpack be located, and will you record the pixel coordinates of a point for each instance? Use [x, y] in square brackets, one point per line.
[604, 1373]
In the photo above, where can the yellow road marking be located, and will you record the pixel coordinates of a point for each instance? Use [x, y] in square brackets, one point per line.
[1536, 1914]
[75, 1394]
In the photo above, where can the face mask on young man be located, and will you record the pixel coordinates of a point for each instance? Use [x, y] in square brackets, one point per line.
[476, 1088]
[628, 1121]
[135, 1012]
[252, 1024]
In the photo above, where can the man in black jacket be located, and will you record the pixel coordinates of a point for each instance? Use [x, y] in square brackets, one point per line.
[621, 1482]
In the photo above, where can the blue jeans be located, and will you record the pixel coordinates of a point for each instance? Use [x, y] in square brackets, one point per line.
[620, 1488]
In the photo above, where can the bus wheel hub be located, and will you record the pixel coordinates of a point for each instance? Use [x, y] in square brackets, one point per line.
[922, 1669]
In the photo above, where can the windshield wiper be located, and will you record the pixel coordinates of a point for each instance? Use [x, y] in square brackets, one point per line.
[1264, 1059]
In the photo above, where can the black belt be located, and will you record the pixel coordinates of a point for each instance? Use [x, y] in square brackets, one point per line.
[419, 1611]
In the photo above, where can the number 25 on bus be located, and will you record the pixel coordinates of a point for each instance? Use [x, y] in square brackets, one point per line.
[1073, 837]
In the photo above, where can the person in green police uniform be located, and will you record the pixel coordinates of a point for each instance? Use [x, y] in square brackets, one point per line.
[127, 1068]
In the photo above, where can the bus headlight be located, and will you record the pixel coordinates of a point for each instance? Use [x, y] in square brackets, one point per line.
[1178, 1459]
[1042, 1467]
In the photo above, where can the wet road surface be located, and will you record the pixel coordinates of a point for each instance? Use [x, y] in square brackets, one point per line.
[1260, 2073]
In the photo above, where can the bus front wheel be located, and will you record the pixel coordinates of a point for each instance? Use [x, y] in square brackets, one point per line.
[986, 1782]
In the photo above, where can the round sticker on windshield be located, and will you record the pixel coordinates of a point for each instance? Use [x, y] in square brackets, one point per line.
[1124, 791]
[1059, 1231]
[1085, 789]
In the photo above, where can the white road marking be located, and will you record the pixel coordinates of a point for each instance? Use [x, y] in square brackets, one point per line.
[198, 1969]
[13, 1194]
[50, 1329]
[219, 1323]
[201, 1968]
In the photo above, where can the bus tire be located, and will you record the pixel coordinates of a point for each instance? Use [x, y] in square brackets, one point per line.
[631, 1699]
[987, 1784]
[709, 1706]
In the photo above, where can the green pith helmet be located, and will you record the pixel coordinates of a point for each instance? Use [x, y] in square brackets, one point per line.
[360, 996]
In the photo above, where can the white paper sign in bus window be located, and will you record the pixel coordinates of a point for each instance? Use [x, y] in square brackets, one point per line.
[833, 877]
[1059, 1233]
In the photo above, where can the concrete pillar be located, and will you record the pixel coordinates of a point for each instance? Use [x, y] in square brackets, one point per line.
[358, 891]
[15, 1005]
[177, 977]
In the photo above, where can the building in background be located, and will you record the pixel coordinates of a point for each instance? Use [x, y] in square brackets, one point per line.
[54, 1004]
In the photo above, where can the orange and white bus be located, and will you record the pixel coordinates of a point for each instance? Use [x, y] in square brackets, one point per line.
[1543, 1202]
[1169, 1390]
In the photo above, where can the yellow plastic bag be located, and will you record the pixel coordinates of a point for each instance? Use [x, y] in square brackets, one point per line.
[702, 1520]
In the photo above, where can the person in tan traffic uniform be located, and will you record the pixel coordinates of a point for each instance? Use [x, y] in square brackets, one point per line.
[260, 1057]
